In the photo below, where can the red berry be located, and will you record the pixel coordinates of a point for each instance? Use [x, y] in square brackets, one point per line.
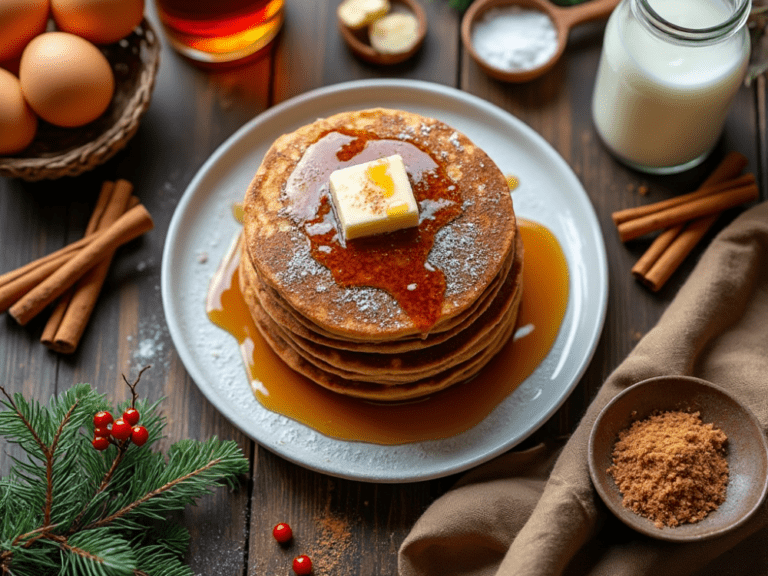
[302, 565]
[101, 432]
[121, 429]
[102, 419]
[131, 416]
[139, 435]
[282, 533]
[100, 443]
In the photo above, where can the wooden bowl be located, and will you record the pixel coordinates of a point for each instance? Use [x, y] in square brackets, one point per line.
[746, 451]
[563, 19]
[357, 40]
[57, 152]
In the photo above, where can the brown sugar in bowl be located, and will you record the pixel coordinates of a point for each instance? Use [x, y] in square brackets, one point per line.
[746, 451]
[357, 40]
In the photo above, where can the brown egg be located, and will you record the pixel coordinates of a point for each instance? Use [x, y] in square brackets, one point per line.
[98, 21]
[18, 123]
[66, 80]
[20, 21]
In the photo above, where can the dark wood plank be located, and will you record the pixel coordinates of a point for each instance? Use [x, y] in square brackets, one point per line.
[31, 229]
[349, 528]
[311, 53]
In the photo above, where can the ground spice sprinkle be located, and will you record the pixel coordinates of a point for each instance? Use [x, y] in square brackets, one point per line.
[671, 468]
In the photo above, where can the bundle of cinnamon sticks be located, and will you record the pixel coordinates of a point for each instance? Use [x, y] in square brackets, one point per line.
[75, 274]
[685, 219]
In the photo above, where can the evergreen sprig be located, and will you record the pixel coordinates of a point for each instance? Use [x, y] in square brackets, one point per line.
[69, 510]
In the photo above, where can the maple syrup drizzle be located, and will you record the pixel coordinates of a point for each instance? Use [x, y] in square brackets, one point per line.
[394, 262]
[443, 414]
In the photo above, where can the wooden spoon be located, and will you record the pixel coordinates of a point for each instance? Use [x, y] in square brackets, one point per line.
[562, 18]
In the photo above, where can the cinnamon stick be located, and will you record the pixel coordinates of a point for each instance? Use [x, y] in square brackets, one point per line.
[673, 245]
[655, 250]
[730, 166]
[49, 332]
[67, 251]
[66, 325]
[15, 289]
[102, 204]
[705, 206]
[130, 225]
[704, 190]
[677, 252]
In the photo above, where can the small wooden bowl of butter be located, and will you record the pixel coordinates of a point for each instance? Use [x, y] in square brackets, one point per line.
[382, 31]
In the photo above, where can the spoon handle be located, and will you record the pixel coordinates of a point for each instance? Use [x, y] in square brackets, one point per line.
[594, 10]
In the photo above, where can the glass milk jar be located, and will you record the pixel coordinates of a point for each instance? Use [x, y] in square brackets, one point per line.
[668, 72]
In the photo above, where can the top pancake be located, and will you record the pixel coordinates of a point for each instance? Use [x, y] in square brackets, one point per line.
[285, 196]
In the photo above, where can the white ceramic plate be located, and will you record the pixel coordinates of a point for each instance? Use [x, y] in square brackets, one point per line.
[203, 227]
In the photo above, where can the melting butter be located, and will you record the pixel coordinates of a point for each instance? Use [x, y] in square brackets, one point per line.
[373, 197]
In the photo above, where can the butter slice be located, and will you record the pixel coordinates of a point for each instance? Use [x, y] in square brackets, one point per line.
[357, 14]
[373, 198]
[394, 33]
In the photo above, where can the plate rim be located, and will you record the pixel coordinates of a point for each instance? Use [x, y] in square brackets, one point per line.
[457, 96]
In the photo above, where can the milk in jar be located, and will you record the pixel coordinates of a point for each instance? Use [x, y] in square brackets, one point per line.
[668, 72]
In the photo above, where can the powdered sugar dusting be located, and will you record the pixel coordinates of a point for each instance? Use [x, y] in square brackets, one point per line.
[460, 255]
[149, 345]
[372, 304]
[454, 139]
[301, 265]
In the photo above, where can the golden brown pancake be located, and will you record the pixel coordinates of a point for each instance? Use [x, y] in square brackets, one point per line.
[394, 316]
[386, 368]
[470, 250]
[384, 391]
[291, 321]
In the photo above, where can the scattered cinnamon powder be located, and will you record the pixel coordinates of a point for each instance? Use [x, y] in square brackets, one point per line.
[671, 468]
[332, 547]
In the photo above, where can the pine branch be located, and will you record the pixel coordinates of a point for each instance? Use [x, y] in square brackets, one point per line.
[116, 495]
[27, 424]
[155, 425]
[49, 453]
[212, 460]
[97, 552]
[102, 486]
[131, 507]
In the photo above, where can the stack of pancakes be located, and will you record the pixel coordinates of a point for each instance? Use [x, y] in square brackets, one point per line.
[359, 340]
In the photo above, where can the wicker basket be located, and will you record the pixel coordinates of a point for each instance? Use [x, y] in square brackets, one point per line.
[58, 152]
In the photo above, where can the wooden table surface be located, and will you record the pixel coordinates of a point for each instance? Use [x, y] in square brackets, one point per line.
[349, 527]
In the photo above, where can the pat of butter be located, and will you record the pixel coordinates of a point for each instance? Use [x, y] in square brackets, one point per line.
[356, 14]
[374, 197]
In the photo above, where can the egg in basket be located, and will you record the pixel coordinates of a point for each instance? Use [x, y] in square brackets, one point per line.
[76, 76]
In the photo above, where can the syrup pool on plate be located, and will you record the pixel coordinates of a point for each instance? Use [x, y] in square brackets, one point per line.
[443, 414]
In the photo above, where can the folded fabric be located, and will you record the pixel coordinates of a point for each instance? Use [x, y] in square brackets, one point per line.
[536, 512]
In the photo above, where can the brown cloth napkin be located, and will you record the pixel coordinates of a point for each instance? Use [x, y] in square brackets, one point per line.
[536, 513]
